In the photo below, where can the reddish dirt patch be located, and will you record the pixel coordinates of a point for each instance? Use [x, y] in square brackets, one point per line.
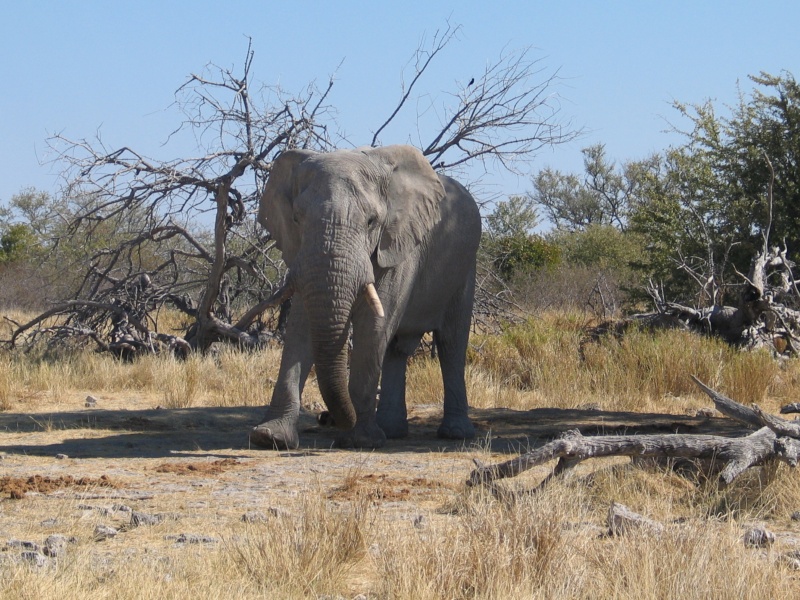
[202, 468]
[383, 488]
[17, 487]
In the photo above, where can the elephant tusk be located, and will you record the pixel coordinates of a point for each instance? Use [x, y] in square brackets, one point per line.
[373, 300]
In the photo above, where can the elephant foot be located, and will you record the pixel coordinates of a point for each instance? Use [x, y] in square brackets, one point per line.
[393, 428]
[279, 434]
[457, 428]
[369, 437]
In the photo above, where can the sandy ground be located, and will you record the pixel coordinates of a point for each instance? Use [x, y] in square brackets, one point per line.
[69, 470]
[123, 482]
[100, 463]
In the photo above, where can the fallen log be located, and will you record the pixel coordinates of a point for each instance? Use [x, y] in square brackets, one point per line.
[777, 439]
[737, 454]
[622, 520]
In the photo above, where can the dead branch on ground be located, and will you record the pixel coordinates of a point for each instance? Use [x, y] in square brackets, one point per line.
[776, 439]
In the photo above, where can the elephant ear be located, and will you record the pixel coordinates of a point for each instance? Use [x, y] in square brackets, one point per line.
[413, 193]
[275, 211]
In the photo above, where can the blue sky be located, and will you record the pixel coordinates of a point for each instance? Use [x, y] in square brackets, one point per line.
[79, 68]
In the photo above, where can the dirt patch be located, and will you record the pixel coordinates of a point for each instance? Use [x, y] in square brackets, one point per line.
[17, 487]
[194, 468]
[384, 488]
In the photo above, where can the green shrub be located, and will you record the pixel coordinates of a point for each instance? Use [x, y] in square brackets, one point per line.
[600, 246]
[520, 253]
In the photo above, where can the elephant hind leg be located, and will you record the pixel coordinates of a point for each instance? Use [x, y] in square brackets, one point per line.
[451, 344]
[456, 424]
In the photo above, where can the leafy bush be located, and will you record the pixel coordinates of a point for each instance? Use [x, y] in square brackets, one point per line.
[16, 242]
[601, 246]
[516, 254]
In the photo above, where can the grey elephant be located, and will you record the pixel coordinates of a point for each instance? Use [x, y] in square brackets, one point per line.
[374, 240]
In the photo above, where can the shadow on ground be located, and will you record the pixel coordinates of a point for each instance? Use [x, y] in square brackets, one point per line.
[163, 432]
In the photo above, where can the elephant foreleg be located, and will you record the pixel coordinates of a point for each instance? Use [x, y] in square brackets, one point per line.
[392, 412]
[279, 429]
[369, 347]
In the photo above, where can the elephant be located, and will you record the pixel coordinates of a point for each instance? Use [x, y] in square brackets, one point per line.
[380, 247]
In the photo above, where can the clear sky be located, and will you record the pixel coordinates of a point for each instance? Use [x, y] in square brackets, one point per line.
[83, 67]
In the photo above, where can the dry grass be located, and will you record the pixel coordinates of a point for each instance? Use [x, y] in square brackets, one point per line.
[226, 378]
[548, 546]
[536, 364]
[540, 364]
[321, 552]
[422, 534]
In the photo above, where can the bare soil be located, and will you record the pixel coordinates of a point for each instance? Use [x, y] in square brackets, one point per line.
[17, 487]
[68, 470]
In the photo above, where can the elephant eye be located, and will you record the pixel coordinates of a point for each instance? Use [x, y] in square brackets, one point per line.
[371, 221]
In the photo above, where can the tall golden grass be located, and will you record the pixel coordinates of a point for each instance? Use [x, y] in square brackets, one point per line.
[225, 378]
[538, 363]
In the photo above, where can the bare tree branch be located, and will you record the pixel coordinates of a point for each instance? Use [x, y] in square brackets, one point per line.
[142, 217]
[507, 114]
[142, 224]
[776, 440]
[422, 60]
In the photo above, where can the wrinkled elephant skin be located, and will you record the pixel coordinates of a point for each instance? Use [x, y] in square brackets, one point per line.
[379, 245]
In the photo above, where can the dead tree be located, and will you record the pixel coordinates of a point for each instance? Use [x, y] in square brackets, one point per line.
[764, 316]
[775, 440]
[223, 280]
[142, 221]
[503, 115]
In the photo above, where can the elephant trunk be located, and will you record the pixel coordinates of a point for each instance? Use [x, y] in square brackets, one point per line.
[329, 296]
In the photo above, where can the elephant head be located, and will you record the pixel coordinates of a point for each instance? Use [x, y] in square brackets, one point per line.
[340, 219]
